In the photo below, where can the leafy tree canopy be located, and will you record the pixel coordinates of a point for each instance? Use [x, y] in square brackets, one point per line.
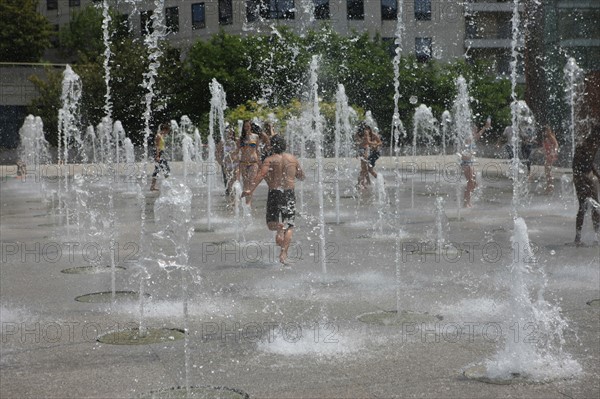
[268, 74]
[25, 34]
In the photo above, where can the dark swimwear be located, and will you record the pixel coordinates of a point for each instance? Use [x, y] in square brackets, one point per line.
[373, 157]
[161, 166]
[281, 202]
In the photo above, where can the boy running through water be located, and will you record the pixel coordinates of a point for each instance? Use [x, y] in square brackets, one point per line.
[280, 171]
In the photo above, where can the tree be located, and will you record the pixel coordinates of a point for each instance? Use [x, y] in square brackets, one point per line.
[225, 58]
[82, 40]
[82, 37]
[47, 104]
[25, 34]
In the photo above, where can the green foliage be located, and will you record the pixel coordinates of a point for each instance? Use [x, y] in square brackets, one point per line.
[279, 65]
[267, 75]
[223, 58]
[24, 34]
[128, 63]
[82, 37]
[47, 104]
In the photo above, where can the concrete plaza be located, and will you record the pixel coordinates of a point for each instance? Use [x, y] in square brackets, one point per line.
[288, 332]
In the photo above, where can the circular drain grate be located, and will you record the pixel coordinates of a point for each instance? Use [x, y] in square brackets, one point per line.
[207, 392]
[393, 318]
[133, 336]
[479, 373]
[107, 297]
[204, 230]
[91, 270]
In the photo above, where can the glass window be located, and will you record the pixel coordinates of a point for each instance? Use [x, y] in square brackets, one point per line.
[198, 16]
[74, 3]
[146, 22]
[225, 12]
[423, 48]
[172, 19]
[252, 10]
[269, 9]
[51, 4]
[321, 9]
[356, 10]
[281, 9]
[423, 10]
[389, 10]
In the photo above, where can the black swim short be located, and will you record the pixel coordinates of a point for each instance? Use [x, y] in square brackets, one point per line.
[161, 166]
[373, 157]
[281, 203]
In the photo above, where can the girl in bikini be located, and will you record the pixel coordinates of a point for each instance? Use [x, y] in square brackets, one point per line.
[250, 157]
[551, 152]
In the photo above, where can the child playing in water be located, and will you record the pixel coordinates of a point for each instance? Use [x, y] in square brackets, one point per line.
[551, 155]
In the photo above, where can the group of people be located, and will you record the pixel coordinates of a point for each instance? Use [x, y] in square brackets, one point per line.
[259, 153]
[241, 157]
[527, 140]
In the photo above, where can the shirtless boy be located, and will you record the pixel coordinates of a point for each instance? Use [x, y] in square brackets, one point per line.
[280, 171]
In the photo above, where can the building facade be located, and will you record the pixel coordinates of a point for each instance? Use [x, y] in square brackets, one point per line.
[441, 29]
[431, 28]
[444, 30]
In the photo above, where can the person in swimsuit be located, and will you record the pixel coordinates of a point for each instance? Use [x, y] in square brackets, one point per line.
[468, 162]
[249, 156]
[266, 134]
[160, 163]
[280, 171]
[551, 155]
[374, 150]
[228, 156]
[585, 187]
[363, 141]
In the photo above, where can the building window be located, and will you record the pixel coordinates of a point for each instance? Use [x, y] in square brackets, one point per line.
[356, 10]
[225, 12]
[269, 9]
[74, 3]
[146, 22]
[389, 10]
[252, 10]
[321, 9]
[423, 48]
[198, 16]
[172, 19]
[471, 27]
[51, 5]
[423, 10]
